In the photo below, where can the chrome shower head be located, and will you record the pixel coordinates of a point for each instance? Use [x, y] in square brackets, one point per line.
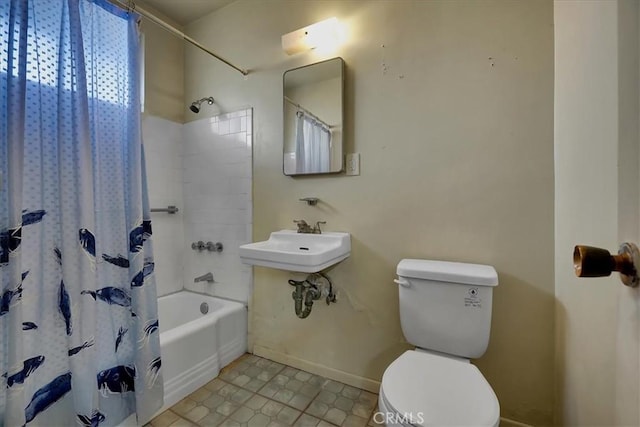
[195, 105]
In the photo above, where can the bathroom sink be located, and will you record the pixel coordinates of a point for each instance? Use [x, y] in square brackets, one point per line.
[293, 251]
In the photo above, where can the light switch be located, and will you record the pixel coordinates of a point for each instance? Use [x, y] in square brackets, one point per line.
[353, 164]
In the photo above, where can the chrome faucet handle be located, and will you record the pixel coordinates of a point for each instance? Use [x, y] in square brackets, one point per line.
[198, 246]
[214, 247]
[316, 229]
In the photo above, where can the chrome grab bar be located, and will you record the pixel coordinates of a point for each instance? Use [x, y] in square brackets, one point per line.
[169, 209]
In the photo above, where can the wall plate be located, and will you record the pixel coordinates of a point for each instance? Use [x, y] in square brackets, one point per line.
[352, 166]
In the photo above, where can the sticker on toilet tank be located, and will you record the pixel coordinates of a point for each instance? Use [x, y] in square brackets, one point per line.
[473, 298]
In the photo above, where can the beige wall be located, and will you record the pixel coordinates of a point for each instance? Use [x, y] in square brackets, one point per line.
[450, 104]
[163, 70]
[596, 192]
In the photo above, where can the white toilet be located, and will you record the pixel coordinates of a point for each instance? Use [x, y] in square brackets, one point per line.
[445, 311]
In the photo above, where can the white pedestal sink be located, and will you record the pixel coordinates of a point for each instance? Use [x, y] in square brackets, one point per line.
[293, 251]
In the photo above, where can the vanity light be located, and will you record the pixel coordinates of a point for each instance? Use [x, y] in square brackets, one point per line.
[324, 36]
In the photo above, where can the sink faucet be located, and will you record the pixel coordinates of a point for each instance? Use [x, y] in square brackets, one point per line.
[204, 278]
[305, 228]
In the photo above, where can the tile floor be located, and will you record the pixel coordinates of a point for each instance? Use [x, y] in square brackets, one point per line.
[253, 391]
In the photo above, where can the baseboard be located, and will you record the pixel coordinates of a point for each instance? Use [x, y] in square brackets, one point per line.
[315, 368]
[506, 422]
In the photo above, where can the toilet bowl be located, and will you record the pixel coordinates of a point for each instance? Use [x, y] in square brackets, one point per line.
[424, 389]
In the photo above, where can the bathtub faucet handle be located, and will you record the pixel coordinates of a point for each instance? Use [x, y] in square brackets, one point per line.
[214, 247]
[198, 246]
[204, 278]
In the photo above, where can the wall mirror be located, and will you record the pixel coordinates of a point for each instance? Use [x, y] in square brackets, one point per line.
[313, 118]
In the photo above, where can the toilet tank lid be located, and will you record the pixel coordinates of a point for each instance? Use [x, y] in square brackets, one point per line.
[445, 271]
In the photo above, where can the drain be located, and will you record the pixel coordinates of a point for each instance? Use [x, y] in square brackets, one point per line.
[204, 308]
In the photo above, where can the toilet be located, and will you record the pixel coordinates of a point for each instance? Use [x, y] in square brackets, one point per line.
[445, 311]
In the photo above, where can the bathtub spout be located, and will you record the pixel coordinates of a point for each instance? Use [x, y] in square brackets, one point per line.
[204, 278]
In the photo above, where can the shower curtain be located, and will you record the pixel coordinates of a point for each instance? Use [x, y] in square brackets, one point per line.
[313, 140]
[79, 338]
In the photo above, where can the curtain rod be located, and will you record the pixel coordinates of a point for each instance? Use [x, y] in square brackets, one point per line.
[176, 32]
[292, 102]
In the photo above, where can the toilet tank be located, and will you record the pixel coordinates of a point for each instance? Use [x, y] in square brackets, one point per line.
[446, 306]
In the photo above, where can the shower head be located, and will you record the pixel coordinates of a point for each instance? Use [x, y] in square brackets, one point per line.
[195, 105]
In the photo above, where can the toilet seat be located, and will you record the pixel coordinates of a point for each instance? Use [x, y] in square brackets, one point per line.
[445, 391]
[391, 417]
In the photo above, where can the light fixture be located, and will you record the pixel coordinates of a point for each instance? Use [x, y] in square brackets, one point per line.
[324, 36]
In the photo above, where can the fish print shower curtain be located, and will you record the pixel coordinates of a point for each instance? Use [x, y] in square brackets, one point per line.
[79, 338]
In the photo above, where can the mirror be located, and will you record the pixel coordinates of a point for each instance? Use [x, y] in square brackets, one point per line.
[313, 118]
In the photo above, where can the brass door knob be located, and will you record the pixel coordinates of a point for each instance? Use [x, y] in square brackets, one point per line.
[589, 261]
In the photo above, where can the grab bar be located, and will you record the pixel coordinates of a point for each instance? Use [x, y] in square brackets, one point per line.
[169, 209]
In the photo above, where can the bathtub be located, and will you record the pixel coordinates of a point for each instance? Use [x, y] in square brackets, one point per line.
[196, 346]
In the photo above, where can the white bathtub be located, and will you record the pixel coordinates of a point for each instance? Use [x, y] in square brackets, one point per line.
[196, 346]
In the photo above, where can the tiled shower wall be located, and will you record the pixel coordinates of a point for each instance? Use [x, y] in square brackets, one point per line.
[204, 168]
[163, 154]
[217, 201]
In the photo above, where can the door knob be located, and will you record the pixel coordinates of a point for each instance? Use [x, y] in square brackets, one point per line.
[589, 261]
